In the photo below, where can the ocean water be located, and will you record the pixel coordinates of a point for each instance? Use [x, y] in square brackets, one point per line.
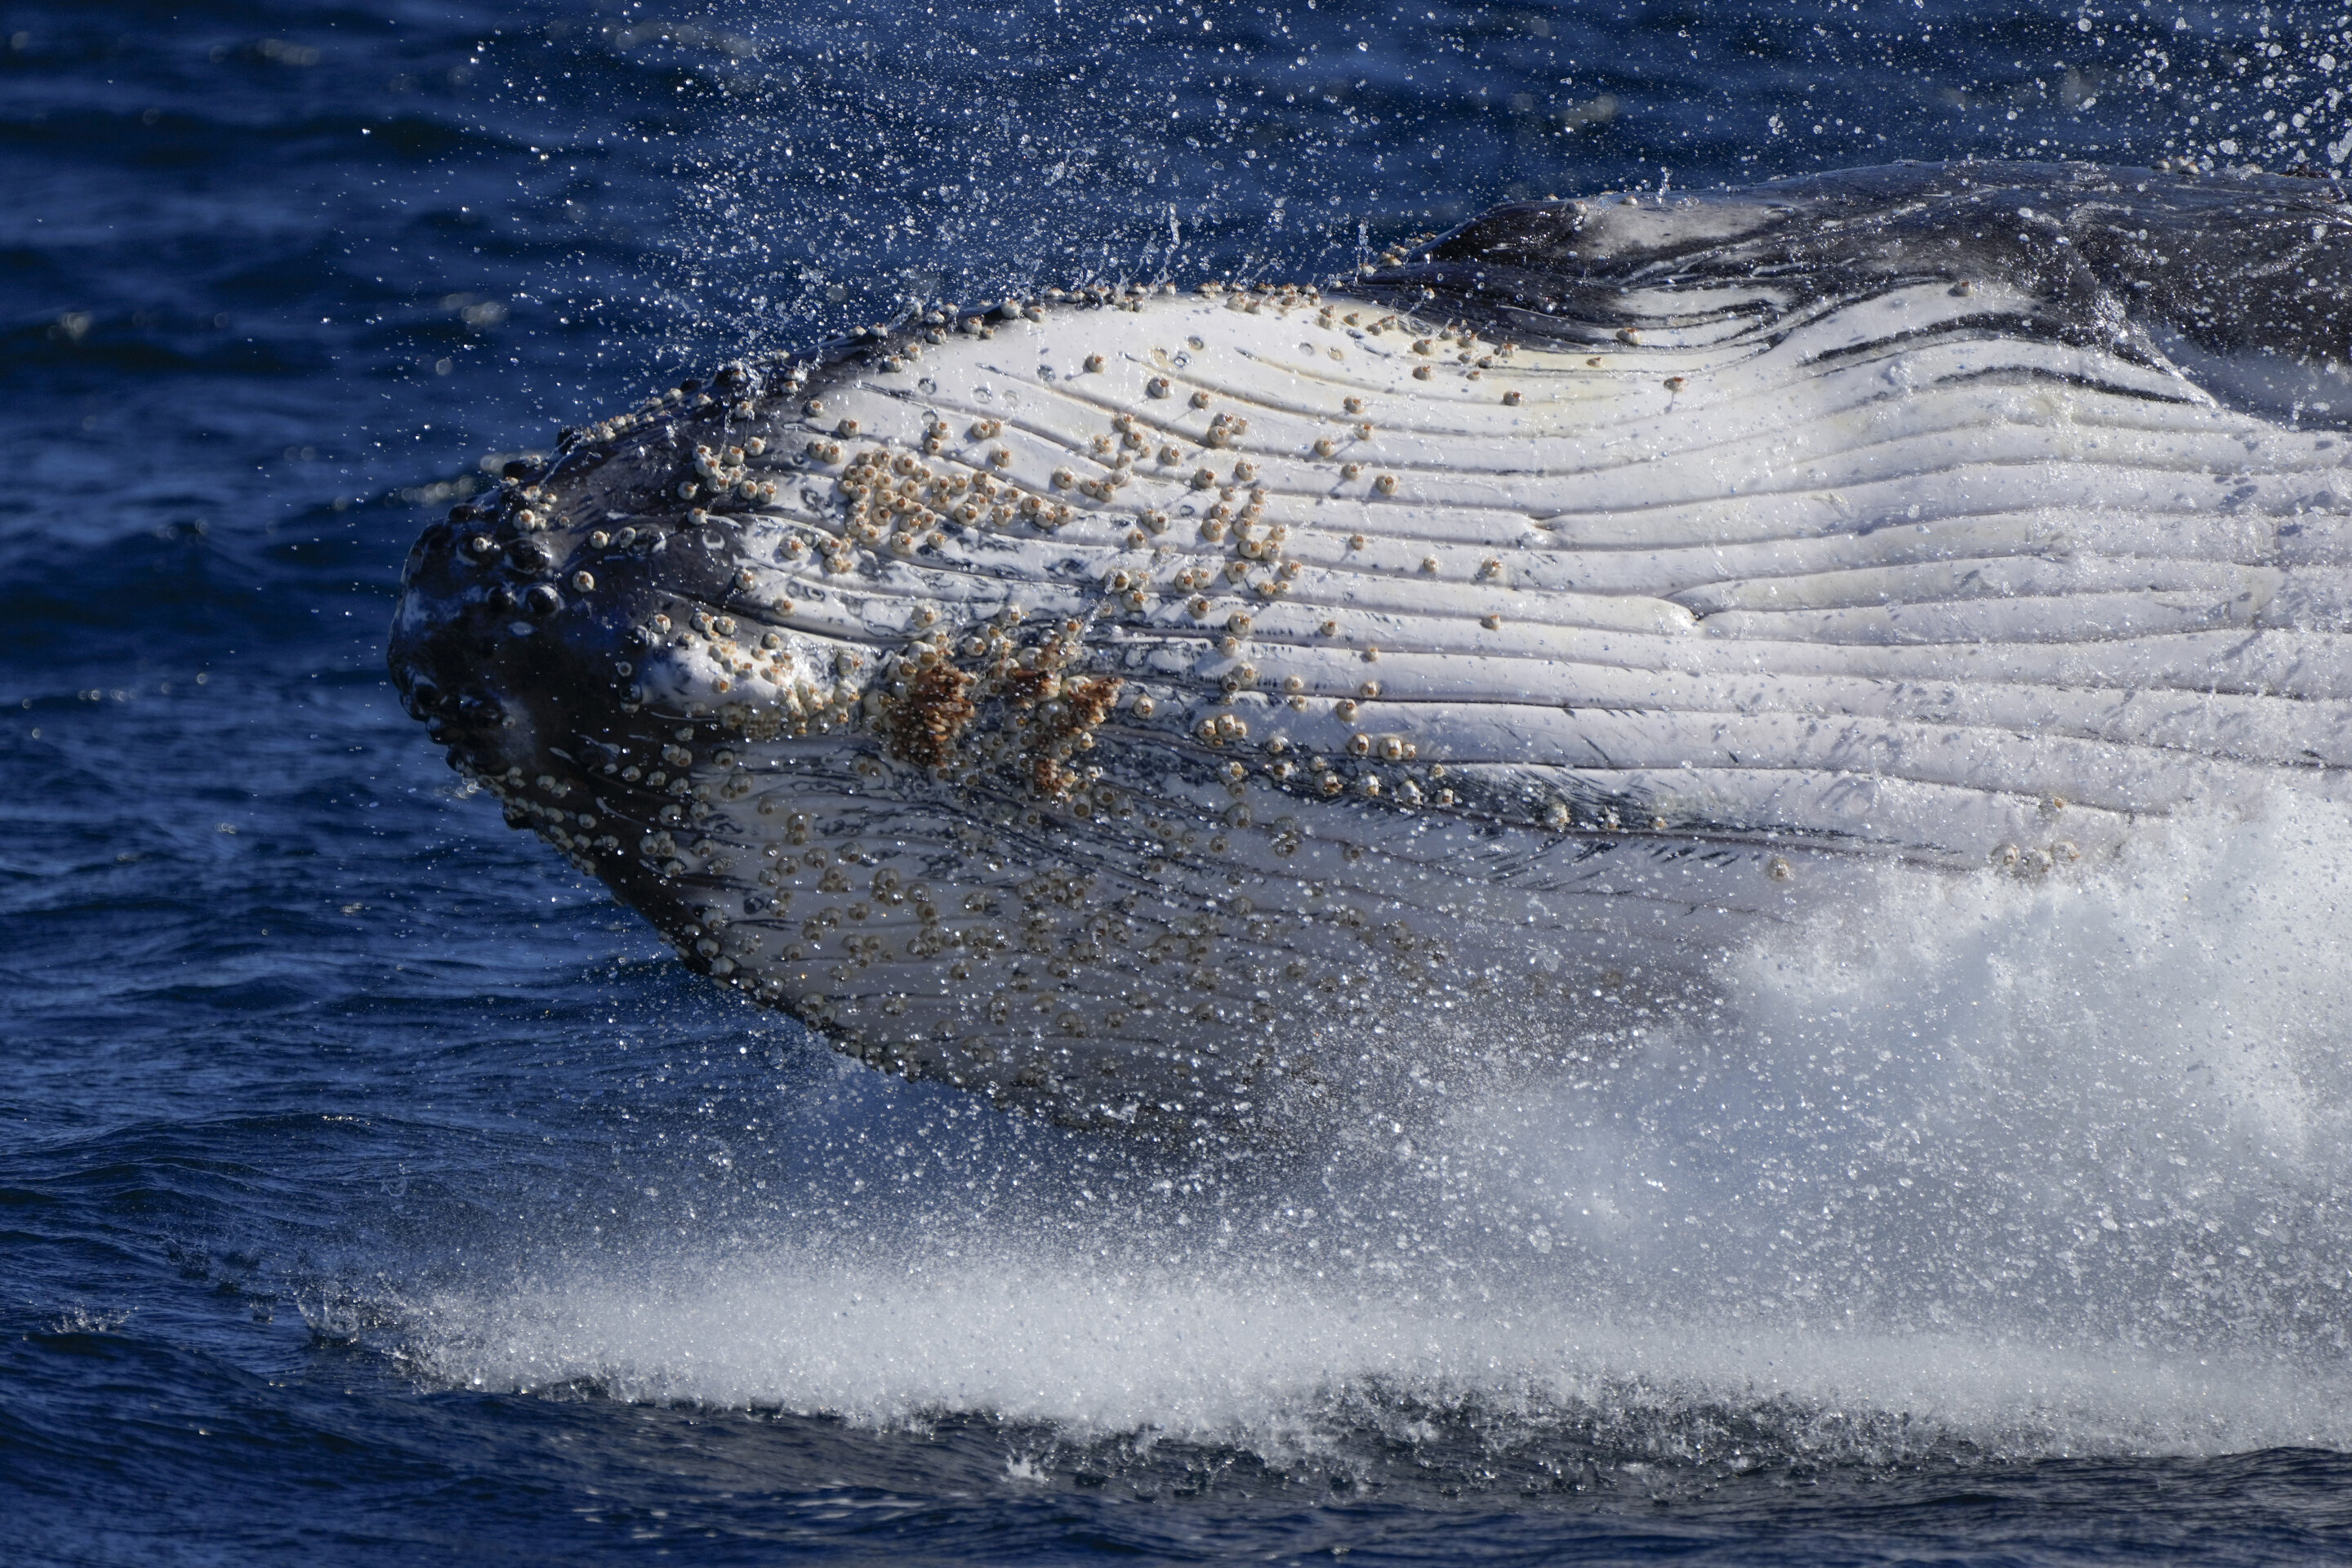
[373, 1190]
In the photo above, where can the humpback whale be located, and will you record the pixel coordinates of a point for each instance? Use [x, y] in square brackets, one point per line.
[1125, 702]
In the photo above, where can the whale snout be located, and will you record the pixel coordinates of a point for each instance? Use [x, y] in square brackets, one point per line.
[601, 657]
[476, 654]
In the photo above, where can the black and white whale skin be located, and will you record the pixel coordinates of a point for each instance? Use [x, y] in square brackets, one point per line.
[1128, 703]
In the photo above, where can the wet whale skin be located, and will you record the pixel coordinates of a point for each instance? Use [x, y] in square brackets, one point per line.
[1131, 705]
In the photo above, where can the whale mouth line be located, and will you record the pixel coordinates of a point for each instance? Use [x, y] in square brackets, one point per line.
[1524, 625]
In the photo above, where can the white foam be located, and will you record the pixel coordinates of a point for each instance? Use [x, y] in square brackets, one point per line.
[2050, 1167]
[1283, 1366]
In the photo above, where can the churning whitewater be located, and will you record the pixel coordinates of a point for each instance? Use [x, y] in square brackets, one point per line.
[1126, 702]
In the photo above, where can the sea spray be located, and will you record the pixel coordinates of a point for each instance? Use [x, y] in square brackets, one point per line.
[1991, 1165]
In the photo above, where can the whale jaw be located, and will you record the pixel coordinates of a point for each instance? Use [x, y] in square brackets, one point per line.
[1145, 710]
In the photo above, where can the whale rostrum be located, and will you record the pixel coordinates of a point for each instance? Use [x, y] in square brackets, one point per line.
[1126, 702]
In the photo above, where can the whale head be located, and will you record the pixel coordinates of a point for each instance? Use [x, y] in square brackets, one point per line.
[1149, 708]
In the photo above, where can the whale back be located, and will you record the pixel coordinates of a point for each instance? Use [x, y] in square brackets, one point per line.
[1147, 709]
[2234, 269]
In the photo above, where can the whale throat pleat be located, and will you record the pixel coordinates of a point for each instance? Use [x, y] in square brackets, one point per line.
[1090, 701]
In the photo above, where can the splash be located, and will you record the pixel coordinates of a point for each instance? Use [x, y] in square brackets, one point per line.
[1989, 1166]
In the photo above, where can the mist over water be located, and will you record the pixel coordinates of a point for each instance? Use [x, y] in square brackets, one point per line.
[843, 162]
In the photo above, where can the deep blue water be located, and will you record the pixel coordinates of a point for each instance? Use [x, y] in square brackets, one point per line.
[373, 1189]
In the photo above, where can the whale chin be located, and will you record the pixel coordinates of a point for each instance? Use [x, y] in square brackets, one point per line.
[1137, 706]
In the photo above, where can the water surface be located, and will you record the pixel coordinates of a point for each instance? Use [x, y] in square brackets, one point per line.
[375, 1188]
